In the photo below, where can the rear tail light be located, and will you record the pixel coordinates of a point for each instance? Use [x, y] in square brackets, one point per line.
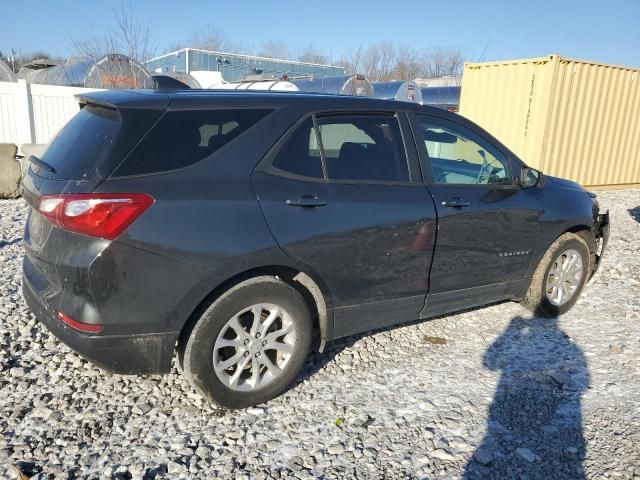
[83, 327]
[102, 215]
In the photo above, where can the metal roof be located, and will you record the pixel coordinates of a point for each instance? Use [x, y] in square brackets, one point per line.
[543, 60]
[239, 55]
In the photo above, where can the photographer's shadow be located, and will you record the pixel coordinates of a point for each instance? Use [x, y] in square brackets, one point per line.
[535, 422]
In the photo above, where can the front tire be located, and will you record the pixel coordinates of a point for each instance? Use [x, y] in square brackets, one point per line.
[560, 276]
[250, 344]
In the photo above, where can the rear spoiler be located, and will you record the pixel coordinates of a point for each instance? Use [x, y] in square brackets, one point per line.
[118, 99]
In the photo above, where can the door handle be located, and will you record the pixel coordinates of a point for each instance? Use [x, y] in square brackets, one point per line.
[306, 201]
[456, 202]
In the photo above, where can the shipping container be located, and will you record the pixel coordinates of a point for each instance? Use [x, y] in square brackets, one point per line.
[571, 118]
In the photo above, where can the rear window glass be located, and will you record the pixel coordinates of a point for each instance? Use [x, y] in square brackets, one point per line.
[182, 138]
[84, 141]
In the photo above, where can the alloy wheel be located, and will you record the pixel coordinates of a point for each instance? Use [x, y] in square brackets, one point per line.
[254, 347]
[564, 277]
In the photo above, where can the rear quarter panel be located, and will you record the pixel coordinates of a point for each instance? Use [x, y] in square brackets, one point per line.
[206, 221]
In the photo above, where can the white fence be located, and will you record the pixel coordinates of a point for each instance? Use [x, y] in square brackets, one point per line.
[31, 113]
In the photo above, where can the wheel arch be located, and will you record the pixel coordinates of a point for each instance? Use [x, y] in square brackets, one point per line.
[308, 284]
[586, 232]
[582, 229]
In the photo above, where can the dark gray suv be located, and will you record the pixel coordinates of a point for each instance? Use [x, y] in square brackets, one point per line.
[238, 227]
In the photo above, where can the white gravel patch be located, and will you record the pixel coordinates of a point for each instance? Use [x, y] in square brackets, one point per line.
[506, 396]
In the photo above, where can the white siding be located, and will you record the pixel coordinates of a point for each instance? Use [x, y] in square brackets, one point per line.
[31, 113]
[8, 127]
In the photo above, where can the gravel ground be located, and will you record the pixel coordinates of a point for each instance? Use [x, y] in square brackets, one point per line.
[489, 393]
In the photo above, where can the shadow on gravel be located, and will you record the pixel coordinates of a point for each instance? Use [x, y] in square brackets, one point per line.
[534, 429]
[317, 361]
[8, 243]
[635, 213]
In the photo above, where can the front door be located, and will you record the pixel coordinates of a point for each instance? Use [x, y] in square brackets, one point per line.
[340, 197]
[488, 227]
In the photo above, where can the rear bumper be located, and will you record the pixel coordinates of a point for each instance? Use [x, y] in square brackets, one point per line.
[601, 231]
[148, 353]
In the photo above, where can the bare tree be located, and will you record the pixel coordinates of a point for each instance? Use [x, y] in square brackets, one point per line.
[407, 64]
[311, 54]
[370, 62]
[129, 36]
[275, 49]
[388, 61]
[380, 61]
[211, 38]
[441, 62]
[133, 35]
[384, 61]
[351, 61]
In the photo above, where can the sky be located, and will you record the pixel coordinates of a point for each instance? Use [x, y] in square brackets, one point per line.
[606, 31]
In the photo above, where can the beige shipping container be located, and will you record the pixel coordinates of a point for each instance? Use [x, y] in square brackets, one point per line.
[569, 118]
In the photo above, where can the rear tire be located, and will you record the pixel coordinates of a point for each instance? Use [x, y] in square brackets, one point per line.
[556, 285]
[250, 344]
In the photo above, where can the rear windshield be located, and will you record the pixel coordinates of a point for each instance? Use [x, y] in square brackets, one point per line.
[182, 138]
[85, 140]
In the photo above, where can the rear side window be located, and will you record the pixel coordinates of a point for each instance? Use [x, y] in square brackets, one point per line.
[182, 138]
[301, 153]
[83, 142]
[363, 148]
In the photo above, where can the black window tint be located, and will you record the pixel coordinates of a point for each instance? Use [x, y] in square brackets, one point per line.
[83, 142]
[367, 148]
[301, 154]
[182, 138]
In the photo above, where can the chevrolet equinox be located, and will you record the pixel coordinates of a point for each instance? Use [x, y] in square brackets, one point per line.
[242, 228]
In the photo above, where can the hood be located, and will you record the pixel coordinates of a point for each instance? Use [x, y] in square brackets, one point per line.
[563, 182]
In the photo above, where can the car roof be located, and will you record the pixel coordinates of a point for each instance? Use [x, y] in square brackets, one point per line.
[205, 98]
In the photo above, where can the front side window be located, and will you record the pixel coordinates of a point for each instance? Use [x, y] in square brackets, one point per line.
[457, 159]
[363, 148]
[182, 138]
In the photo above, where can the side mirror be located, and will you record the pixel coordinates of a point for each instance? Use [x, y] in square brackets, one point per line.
[529, 177]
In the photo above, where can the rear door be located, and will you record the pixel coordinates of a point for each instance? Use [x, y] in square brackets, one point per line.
[344, 196]
[488, 227]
